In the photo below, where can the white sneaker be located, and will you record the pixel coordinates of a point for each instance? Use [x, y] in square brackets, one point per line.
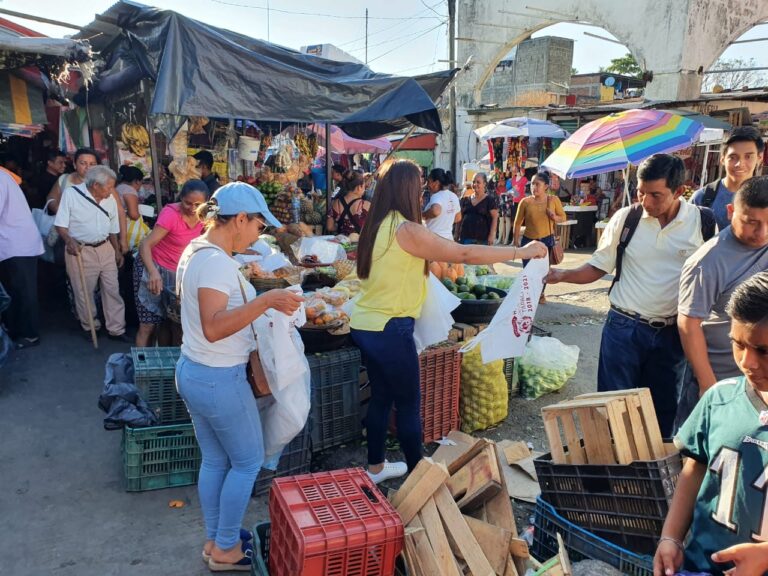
[390, 470]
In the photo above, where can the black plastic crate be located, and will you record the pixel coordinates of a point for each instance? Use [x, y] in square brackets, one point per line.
[155, 377]
[581, 543]
[536, 331]
[626, 503]
[160, 457]
[295, 459]
[510, 374]
[335, 411]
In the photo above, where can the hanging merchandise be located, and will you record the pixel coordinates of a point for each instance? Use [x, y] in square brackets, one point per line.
[183, 167]
[498, 153]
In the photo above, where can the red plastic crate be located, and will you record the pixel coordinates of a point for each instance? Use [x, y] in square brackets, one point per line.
[440, 383]
[332, 524]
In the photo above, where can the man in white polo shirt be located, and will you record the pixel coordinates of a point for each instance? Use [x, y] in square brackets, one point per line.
[88, 224]
[640, 345]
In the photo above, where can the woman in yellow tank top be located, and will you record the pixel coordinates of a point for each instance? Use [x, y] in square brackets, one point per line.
[392, 262]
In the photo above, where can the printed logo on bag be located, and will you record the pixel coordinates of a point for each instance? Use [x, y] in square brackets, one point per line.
[522, 327]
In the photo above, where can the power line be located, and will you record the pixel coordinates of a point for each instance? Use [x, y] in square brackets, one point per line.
[390, 40]
[381, 31]
[404, 43]
[321, 15]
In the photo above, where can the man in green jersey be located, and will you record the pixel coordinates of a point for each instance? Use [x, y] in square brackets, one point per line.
[722, 492]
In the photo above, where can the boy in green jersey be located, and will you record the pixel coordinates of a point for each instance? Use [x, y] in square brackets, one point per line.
[722, 492]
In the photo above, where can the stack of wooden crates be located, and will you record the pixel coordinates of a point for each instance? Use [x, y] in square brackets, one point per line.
[609, 471]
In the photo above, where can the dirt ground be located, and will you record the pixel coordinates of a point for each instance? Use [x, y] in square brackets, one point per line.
[64, 508]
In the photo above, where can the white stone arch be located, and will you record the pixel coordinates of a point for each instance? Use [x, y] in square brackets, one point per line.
[499, 55]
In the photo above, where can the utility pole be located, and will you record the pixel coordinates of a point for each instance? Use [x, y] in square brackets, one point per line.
[366, 36]
[452, 93]
[267, 20]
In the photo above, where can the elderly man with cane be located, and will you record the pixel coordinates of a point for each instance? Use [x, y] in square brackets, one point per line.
[87, 221]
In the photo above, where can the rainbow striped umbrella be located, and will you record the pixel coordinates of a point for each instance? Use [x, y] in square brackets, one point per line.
[617, 140]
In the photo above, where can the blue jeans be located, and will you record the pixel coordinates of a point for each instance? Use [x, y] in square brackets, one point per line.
[228, 430]
[548, 241]
[635, 355]
[393, 370]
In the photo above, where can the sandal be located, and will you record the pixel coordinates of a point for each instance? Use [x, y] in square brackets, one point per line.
[245, 536]
[242, 565]
[22, 343]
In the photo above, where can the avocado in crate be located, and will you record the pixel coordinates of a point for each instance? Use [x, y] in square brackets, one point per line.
[155, 377]
[160, 457]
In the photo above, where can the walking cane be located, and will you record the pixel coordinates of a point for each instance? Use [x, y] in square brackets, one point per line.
[87, 301]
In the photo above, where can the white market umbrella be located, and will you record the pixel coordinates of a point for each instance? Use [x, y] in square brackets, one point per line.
[521, 127]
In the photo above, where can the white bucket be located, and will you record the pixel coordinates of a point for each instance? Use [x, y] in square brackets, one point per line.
[248, 148]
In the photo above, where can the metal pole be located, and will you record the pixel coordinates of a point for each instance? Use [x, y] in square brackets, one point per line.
[366, 36]
[40, 19]
[703, 180]
[627, 201]
[328, 171]
[452, 94]
[150, 125]
[400, 144]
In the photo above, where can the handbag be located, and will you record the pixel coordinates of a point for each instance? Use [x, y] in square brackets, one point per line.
[556, 253]
[254, 371]
[44, 221]
[136, 231]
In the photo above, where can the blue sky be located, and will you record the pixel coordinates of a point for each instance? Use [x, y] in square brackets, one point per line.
[404, 36]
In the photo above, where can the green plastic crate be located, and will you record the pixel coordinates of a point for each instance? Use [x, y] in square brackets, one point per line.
[155, 377]
[160, 457]
[335, 411]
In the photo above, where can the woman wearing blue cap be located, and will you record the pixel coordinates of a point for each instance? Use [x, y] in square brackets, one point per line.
[217, 308]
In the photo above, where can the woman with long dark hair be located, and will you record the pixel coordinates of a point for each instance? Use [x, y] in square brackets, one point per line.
[392, 262]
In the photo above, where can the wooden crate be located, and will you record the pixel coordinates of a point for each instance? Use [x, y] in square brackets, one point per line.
[604, 428]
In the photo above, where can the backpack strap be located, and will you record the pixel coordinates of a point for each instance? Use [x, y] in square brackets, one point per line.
[627, 231]
[708, 223]
[710, 193]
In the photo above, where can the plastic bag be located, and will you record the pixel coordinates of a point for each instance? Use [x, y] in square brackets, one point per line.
[507, 334]
[435, 321]
[44, 221]
[321, 248]
[484, 400]
[281, 351]
[546, 366]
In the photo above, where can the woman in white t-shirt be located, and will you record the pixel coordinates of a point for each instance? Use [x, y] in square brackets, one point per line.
[443, 209]
[210, 375]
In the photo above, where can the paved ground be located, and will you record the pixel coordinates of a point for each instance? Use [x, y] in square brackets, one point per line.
[63, 508]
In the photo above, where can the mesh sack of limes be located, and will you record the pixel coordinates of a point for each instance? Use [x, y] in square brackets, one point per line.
[545, 367]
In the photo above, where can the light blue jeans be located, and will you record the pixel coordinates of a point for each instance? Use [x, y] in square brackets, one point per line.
[228, 430]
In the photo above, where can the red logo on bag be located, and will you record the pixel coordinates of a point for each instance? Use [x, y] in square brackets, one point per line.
[524, 327]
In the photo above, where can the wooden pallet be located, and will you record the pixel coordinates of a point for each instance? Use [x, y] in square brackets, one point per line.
[616, 428]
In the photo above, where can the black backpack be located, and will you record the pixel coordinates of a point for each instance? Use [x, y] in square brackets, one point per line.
[708, 228]
[710, 193]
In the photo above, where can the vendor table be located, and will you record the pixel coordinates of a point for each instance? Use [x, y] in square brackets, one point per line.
[599, 227]
[581, 235]
[564, 231]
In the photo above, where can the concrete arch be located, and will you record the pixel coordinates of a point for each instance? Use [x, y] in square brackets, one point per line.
[499, 55]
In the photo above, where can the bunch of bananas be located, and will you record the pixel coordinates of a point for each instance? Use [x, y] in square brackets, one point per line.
[136, 138]
[302, 143]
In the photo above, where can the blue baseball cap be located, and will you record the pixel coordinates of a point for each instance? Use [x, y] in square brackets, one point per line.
[237, 197]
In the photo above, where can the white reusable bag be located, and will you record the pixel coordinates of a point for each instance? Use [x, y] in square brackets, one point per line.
[508, 331]
[435, 321]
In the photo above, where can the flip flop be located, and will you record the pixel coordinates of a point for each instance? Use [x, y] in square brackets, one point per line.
[22, 343]
[245, 536]
[242, 565]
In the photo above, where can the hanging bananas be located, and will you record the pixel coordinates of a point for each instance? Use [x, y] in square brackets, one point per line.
[136, 138]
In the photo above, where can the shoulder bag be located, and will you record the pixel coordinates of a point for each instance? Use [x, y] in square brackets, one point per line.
[556, 253]
[254, 371]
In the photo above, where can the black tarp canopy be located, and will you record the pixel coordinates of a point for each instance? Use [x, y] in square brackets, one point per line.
[201, 70]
